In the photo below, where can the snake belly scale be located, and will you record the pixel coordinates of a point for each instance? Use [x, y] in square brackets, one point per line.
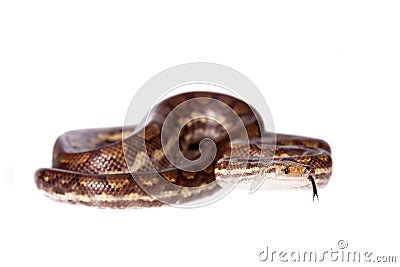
[90, 167]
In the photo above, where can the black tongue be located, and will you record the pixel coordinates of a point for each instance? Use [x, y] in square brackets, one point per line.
[314, 187]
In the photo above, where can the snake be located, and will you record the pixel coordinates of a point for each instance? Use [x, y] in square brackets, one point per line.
[101, 167]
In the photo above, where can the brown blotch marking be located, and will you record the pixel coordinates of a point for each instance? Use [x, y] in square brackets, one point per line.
[241, 108]
[118, 183]
[203, 94]
[174, 101]
[209, 169]
[151, 131]
[67, 158]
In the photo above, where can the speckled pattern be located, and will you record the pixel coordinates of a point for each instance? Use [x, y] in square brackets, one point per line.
[90, 166]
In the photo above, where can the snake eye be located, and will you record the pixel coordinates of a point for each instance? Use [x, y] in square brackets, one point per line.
[286, 170]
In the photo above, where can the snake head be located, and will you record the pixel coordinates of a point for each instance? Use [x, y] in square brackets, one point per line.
[291, 169]
[297, 171]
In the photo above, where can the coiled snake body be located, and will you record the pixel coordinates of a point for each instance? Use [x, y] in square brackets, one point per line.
[91, 168]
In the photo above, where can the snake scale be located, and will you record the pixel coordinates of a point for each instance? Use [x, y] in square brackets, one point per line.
[90, 167]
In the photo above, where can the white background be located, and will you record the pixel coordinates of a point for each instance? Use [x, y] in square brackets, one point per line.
[327, 69]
